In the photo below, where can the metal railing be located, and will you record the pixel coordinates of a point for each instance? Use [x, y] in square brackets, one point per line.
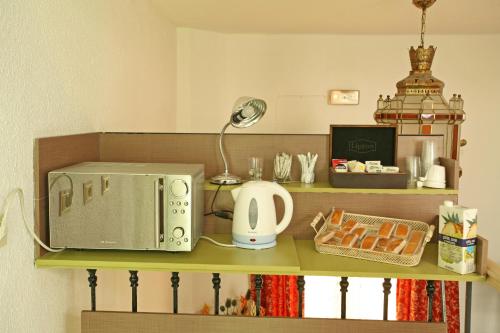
[259, 283]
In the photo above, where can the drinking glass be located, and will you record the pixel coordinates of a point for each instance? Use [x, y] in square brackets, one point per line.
[429, 156]
[255, 168]
[413, 167]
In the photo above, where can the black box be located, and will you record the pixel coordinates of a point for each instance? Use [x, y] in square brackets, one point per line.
[365, 143]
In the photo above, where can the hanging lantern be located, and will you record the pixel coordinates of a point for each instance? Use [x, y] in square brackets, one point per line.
[418, 106]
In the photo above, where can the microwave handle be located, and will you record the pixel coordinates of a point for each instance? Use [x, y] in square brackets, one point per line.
[158, 188]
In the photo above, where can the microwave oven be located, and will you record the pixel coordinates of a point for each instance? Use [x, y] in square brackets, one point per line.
[129, 206]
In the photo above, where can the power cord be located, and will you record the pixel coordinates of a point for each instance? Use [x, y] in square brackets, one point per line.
[222, 213]
[216, 242]
[5, 210]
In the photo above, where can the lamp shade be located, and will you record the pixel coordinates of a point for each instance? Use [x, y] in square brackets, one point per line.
[247, 111]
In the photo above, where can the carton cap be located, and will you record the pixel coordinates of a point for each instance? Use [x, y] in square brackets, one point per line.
[448, 203]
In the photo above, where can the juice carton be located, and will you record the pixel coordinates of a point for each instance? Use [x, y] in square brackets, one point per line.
[457, 238]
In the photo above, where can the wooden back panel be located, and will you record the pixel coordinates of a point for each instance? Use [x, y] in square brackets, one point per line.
[123, 322]
[204, 148]
[54, 153]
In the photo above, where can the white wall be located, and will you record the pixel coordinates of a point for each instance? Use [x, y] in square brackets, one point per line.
[294, 72]
[70, 67]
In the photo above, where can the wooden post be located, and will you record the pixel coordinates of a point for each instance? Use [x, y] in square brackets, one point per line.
[387, 290]
[134, 283]
[216, 283]
[92, 284]
[343, 289]
[175, 286]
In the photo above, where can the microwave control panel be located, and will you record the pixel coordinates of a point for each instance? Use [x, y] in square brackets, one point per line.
[178, 222]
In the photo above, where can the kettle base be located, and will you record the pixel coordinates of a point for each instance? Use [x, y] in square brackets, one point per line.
[255, 246]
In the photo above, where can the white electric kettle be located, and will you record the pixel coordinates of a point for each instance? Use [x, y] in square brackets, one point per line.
[254, 217]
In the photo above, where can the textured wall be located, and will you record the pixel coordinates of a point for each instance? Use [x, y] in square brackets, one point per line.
[69, 67]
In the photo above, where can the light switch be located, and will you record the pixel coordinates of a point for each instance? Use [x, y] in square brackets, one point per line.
[343, 97]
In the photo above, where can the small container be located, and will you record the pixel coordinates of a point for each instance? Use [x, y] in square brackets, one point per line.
[255, 168]
[282, 167]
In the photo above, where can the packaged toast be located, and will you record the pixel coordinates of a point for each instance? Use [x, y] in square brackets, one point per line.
[339, 235]
[360, 232]
[386, 229]
[332, 241]
[395, 245]
[327, 236]
[349, 225]
[402, 231]
[337, 215]
[349, 240]
[369, 242]
[382, 244]
[414, 242]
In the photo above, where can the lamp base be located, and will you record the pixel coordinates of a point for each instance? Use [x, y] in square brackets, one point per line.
[225, 179]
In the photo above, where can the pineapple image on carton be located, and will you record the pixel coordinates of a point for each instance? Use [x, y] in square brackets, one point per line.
[457, 238]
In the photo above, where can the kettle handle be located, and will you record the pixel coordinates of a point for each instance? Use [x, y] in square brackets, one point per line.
[287, 199]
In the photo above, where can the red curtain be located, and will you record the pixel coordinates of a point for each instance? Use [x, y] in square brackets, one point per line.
[412, 302]
[279, 295]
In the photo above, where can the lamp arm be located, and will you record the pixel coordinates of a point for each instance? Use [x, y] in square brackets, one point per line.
[221, 148]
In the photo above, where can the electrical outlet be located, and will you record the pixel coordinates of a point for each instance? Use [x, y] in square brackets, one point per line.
[64, 202]
[88, 192]
[104, 184]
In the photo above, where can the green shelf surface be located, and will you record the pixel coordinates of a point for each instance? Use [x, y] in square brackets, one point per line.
[315, 263]
[289, 257]
[320, 187]
[206, 257]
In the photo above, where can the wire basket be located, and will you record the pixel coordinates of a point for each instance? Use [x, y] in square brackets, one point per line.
[373, 222]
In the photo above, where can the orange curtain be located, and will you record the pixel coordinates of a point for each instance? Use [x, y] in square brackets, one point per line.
[279, 295]
[412, 302]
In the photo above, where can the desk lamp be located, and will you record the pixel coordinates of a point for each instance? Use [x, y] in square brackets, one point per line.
[246, 112]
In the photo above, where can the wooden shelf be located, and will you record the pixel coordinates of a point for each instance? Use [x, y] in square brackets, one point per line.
[289, 257]
[323, 187]
[315, 263]
[206, 257]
